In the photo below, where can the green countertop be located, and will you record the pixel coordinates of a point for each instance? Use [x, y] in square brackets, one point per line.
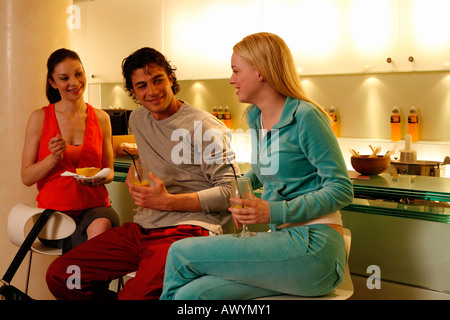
[420, 187]
[121, 166]
[416, 197]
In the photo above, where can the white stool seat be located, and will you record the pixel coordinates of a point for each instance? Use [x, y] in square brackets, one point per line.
[23, 217]
[58, 226]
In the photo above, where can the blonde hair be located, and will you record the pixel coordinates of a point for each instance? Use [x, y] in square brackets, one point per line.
[270, 55]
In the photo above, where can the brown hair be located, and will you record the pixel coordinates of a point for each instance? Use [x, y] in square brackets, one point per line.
[55, 58]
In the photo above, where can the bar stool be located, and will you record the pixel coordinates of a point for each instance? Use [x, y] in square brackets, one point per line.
[59, 226]
[342, 292]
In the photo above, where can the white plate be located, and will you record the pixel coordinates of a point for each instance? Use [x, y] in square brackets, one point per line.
[100, 175]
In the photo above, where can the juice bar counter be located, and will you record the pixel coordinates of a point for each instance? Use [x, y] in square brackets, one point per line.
[121, 166]
[400, 236]
[119, 196]
[400, 227]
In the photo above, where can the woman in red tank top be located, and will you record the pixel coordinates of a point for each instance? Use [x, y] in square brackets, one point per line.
[65, 135]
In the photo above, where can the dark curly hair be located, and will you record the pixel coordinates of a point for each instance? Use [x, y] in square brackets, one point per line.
[142, 58]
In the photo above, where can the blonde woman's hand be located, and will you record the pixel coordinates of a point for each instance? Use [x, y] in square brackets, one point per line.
[256, 211]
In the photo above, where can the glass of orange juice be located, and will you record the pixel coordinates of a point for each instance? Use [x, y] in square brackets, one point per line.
[139, 174]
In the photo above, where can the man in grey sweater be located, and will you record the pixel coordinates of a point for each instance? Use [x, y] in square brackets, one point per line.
[188, 153]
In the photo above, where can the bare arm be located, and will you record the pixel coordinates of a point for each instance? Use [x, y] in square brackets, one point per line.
[33, 171]
[107, 152]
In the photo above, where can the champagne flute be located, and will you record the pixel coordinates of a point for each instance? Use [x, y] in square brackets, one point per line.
[138, 176]
[242, 188]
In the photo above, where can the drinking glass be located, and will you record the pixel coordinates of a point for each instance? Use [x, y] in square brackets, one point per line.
[138, 175]
[242, 188]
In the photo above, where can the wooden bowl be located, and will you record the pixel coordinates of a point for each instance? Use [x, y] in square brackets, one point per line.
[368, 166]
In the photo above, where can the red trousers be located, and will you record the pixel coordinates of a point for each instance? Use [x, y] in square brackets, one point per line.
[113, 254]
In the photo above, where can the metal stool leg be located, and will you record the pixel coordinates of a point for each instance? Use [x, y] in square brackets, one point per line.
[28, 273]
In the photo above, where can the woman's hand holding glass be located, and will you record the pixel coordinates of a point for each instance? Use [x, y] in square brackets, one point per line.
[246, 208]
[257, 211]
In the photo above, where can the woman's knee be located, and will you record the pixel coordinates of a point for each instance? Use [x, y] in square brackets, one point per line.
[98, 226]
[183, 246]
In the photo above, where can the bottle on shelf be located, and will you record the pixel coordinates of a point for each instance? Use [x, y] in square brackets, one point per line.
[214, 112]
[227, 117]
[395, 125]
[220, 113]
[413, 125]
[334, 124]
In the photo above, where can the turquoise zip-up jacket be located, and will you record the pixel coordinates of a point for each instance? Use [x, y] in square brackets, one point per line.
[299, 163]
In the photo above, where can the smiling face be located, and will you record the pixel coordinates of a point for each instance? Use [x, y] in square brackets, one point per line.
[245, 78]
[69, 79]
[153, 88]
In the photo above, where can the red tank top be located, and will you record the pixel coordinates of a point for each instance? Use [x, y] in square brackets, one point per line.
[64, 193]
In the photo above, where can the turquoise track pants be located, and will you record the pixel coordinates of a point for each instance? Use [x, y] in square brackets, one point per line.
[305, 261]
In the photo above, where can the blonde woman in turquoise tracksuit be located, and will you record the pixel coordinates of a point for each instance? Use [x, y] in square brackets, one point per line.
[300, 165]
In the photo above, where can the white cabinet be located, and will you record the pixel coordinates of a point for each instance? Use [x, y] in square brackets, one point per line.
[199, 35]
[325, 36]
[309, 28]
[335, 36]
[115, 29]
[372, 35]
[354, 36]
[425, 35]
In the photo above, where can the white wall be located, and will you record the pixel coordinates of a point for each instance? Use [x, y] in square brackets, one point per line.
[31, 31]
